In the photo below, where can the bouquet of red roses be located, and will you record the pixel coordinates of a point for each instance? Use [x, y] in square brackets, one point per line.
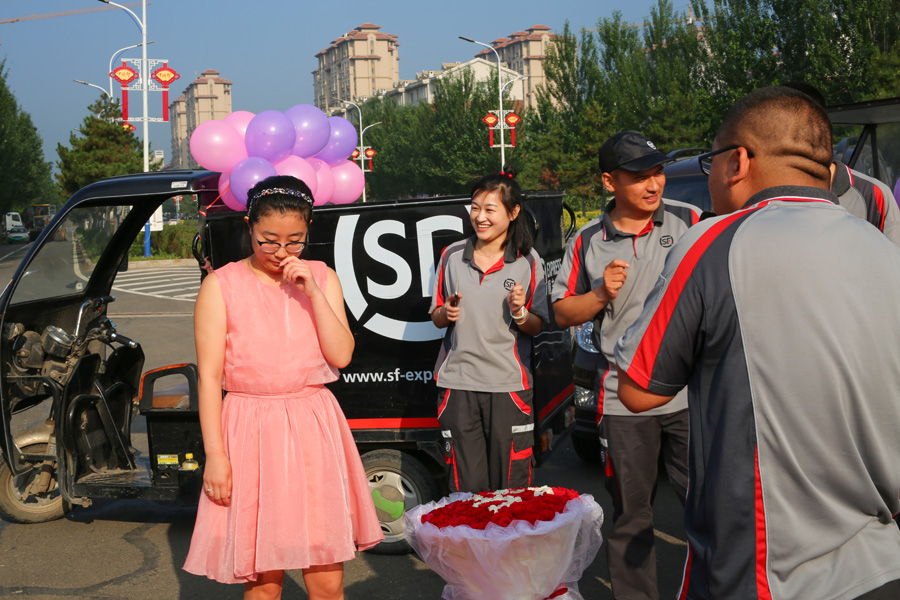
[521, 544]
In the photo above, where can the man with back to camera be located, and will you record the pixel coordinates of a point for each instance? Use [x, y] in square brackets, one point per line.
[863, 196]
[610, 266]
[795, 419]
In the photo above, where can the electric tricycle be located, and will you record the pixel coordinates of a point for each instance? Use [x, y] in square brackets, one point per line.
[62, 358]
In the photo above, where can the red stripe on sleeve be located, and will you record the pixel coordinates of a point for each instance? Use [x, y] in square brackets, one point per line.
[576, 268]
[439, 296]
[762, 579]
[645, 355]
[849, 173]
[879, 199]
[531, 289]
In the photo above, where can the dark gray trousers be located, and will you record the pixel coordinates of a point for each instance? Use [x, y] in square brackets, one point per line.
[488, 439]
[633, 447]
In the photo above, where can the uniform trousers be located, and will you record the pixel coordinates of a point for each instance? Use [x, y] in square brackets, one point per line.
[488, 439]
[632, 449]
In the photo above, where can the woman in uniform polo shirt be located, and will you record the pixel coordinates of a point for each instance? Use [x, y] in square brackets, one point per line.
[491, 295]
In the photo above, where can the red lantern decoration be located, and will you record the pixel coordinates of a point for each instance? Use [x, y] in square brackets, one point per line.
[491, 121]
[512, 119]
[124, 75]
[370, 154]
[355, 154]
[165, 76]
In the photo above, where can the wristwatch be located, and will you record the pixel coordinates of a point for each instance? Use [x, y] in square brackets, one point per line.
[523, 315]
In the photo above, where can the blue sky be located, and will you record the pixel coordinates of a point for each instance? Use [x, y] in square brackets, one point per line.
[266, 48]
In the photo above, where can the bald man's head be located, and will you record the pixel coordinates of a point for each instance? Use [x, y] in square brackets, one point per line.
[788, 133]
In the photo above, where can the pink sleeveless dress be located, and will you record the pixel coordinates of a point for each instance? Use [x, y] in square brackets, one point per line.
[299, 495]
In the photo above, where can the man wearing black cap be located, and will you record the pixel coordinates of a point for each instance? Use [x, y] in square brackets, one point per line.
[610, 268]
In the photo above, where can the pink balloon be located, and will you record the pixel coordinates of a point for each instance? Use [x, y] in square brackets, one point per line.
[225, 190]
[217, 146]
[349, 182]
[239, 119]
[299, 168]
[325, 180]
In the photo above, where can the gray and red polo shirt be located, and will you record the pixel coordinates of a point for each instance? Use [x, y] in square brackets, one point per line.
[484, 350]
[592, 248]
[782, 319]
[868, 199]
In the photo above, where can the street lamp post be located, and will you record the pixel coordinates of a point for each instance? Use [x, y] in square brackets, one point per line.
[142, 24]
[501, 124]
[113, 58]
[109, 94]
[362, 159]
[94, 85]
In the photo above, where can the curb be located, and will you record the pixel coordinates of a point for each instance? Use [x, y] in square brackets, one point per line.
[175, 262]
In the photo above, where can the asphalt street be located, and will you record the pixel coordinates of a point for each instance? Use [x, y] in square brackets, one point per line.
[134, 549]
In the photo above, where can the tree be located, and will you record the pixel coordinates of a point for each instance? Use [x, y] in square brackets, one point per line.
[100, 148]
[24, 175]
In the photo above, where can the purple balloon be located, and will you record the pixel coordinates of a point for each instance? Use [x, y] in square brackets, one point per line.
[341, 141]
[270, 135]
[246, 174]
[228, 198]
[312, 129]
[216, 146]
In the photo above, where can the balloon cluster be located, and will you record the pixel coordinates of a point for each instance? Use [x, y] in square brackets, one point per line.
[301, 141]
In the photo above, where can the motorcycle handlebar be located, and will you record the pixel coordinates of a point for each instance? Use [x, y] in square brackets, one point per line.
[115, 336]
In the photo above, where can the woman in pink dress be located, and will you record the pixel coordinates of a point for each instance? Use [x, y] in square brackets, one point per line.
[284, 487]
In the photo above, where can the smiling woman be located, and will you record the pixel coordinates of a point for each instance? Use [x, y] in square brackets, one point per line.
[491, 295]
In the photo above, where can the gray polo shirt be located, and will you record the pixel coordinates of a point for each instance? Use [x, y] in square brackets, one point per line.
[588, 253]
[868, 199]
[484, 350]
[782, 320]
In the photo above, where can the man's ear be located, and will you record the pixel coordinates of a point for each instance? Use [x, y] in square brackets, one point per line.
[737, 169]
[609, 182]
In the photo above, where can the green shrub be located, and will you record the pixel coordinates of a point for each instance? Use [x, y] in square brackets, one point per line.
[174, 241]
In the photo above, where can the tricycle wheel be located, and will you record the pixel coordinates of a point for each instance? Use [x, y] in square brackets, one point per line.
[588, 449]
[398, 482]
[19, 505]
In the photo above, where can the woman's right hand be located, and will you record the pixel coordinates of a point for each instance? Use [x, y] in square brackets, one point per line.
[217, 479]
[452, 308]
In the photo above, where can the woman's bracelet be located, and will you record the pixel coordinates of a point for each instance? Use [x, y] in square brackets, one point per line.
[523, 315]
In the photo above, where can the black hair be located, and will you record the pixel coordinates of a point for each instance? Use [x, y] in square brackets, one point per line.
[282, 194]
[518, 234]
[807, 88]
[784, 123]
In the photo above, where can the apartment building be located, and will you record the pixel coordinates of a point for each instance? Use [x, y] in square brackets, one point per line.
[358, 65]
[207, 97]
[421, 89]
[524, 53]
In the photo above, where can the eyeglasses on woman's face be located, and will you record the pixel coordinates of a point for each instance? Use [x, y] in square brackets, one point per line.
[273, 247]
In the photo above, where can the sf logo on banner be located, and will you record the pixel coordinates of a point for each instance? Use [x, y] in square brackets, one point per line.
[415, 265]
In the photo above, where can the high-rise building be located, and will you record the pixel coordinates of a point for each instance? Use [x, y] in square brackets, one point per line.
[207, 97]
[422, 88]
[524, 53]
[358, 65]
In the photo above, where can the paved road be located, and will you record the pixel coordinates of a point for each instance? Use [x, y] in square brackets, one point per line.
[134, 549]
[174, 283]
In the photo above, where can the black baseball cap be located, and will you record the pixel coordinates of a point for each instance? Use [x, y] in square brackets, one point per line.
[630, 151]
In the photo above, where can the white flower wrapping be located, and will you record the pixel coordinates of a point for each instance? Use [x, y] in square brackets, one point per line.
[518, 562]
